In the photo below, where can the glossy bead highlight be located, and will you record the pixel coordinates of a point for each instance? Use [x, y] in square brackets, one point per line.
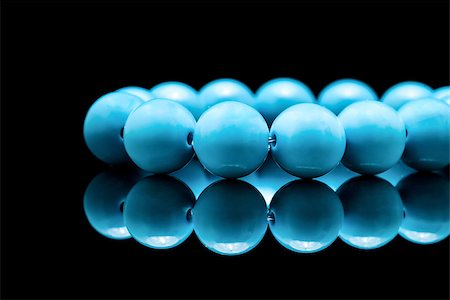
[231, 139]
[157, 136]
[309, 140]
[103, 126]
[139, 92]
[404, 92]
[181, 93]
[375, 137]
[442, 92]
[226, 89]
[373, 212]
[157, 212]
[278, 94]
[428, 126]
[427, 209]
[339, 94]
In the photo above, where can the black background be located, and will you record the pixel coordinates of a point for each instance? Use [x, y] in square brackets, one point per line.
[57, 58]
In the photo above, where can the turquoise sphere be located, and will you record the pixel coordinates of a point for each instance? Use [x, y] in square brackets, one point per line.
[427, 123]
[181, 93]
[339, 94]
[222, 90]
[157, 212]
[375, 137]
[158, 136]
[425, 197]
[230, 217]
[278, 94]
[231, 139]
[142, 93]
[103, 126]
[306, 216]
[103, 202]
[373, 212]
[404, 92]
[442, 92]
[309, 140]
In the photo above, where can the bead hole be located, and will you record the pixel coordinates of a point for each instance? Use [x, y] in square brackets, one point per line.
[273, 140]
[190, 138]
[406, 132]
[189, 215]
[121, 205]
[271, 217]
[121, 133]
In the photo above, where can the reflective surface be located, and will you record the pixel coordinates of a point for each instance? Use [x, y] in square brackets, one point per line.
[230, 217]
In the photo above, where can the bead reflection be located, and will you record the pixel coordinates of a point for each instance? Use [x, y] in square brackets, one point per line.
[307, 216]
[230, 217]
[103, 202]
[156, 212]
[426, 200]
[373, 212]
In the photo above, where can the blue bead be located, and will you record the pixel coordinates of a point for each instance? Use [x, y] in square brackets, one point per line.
[427, 123]
[310, 140]
[104, 123]
[142, 93]
[103, 200]
[373, 212]
[375, 137]
[222, 90]
[278, 94]
[230, 217]
[157, 136]
[231, 139]
[442, 92]
[181, 93]
[306, 216]
[404, 92]
[339, 94]
[427, 208]
[157, 212]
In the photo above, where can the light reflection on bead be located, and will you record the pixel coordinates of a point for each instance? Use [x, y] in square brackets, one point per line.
[373, 212]
[230, 217]
[142, 93]
[278, 94]
[181, 93]
[156, 212]
[404, 92]
[307, 216]
[225, 89]
[427, 123]
[427, 213]
[339, 94]
[103, 201]
[442, 92]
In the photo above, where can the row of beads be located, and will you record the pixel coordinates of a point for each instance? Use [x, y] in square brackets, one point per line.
[230, 217]
[228, 127]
